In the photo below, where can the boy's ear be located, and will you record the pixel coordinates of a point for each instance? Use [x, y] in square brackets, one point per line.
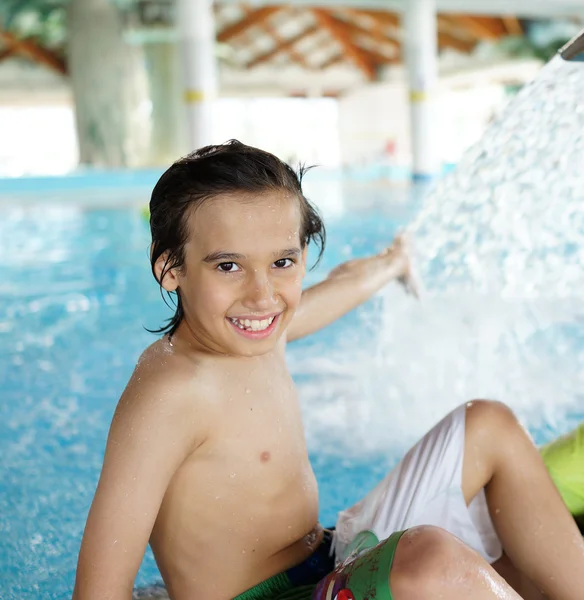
[170, 281]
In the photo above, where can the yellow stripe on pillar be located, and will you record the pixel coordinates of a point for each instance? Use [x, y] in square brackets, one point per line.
[194, 96]
[417, 96]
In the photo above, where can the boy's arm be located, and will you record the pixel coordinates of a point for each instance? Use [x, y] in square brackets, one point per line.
[349, 285]
[151, 434]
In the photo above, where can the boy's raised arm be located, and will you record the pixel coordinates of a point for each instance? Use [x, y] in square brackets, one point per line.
[151, 434]
[349, 285]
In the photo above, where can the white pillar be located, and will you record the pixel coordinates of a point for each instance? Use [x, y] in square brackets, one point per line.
[110, 87]
[196, 25]
[420, 30]
[168, 120]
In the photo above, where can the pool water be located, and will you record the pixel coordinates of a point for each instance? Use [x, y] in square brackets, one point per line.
[76, 295]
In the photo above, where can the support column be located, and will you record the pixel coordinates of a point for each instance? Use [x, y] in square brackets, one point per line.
[110, 87]
[420, 33]
[196, 25]
[165, 91]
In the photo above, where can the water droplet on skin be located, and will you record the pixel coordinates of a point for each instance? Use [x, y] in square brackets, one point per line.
[232, 475]
[497, 511]
[247, 391]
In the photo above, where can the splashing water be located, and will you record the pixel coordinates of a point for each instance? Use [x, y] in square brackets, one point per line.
[500, 248]
[510, 220]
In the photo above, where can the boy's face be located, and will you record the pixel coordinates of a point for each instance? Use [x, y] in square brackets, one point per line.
[243, 271]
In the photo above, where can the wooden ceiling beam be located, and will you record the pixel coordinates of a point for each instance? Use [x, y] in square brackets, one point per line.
[512, 25]
[382, 16]
[293, 54]
[376, 31]
[481, 28]
[445, 40]
[353, 31]
[454, 29]
[283, 47]
[255, 17]
[333, 60]
[6, 53]
[275, 35]
[339, 33]
[34, 52]
[377, 58]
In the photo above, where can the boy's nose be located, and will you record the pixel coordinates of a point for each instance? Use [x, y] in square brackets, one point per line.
[260, 294]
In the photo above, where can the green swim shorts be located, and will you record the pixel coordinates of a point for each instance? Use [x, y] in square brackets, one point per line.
[363, 574]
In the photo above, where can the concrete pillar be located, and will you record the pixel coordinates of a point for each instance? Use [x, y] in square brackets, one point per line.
[110, 87]
[420, 31]
[196, 26]
[165, 92]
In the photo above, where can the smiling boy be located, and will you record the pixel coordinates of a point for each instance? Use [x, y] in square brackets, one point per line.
[206, 457]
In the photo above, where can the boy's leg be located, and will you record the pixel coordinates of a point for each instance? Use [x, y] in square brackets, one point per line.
[535, 528]
[517, 580]
[423, 563]
[425, 488]
[430, 563]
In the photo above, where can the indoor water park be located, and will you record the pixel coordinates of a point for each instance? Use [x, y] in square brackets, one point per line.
[446, 136]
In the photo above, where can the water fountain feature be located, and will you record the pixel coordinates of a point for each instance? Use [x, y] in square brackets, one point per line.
[500, 248]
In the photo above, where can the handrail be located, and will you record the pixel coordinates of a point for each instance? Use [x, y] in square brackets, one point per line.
[574, 49]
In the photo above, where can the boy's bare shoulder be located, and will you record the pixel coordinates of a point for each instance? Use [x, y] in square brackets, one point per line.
[167, 382]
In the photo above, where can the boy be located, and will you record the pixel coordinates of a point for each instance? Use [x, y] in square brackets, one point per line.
[206, 457]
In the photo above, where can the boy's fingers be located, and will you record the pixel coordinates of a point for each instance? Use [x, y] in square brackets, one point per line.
[410, 285]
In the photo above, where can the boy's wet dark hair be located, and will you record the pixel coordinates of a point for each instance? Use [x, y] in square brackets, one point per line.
[207, 173]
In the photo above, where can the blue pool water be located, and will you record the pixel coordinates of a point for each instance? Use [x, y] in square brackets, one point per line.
[75, 297]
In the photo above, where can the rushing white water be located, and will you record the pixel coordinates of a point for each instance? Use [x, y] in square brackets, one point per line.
[510, 220]
[500, 250]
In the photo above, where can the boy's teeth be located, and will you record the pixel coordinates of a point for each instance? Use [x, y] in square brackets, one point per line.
[252, 324]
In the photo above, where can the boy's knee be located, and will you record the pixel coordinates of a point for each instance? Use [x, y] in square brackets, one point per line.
[423, 558]
[490, 414]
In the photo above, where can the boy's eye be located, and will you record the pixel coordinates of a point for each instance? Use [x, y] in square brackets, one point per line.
[284, 263]
[228, 267]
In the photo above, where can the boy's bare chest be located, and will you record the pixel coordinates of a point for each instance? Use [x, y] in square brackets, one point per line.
[251, 479]
[262, 422]
[257, 440]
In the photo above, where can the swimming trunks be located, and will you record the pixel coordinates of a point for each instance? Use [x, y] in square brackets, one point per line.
[364, 573]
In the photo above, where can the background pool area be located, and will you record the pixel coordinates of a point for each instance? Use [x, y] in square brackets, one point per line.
[75, 298]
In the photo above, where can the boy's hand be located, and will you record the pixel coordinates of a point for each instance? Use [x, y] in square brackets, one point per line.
[350, 284]
[399, 255]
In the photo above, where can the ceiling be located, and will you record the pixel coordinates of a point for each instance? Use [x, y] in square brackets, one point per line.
[365, 34]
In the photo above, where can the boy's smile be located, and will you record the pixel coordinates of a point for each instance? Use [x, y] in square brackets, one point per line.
[243, 270]
[255, 327]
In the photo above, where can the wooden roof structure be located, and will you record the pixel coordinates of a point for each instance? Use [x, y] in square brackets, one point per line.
[318, 38]
[313, 38]
[11, 45]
